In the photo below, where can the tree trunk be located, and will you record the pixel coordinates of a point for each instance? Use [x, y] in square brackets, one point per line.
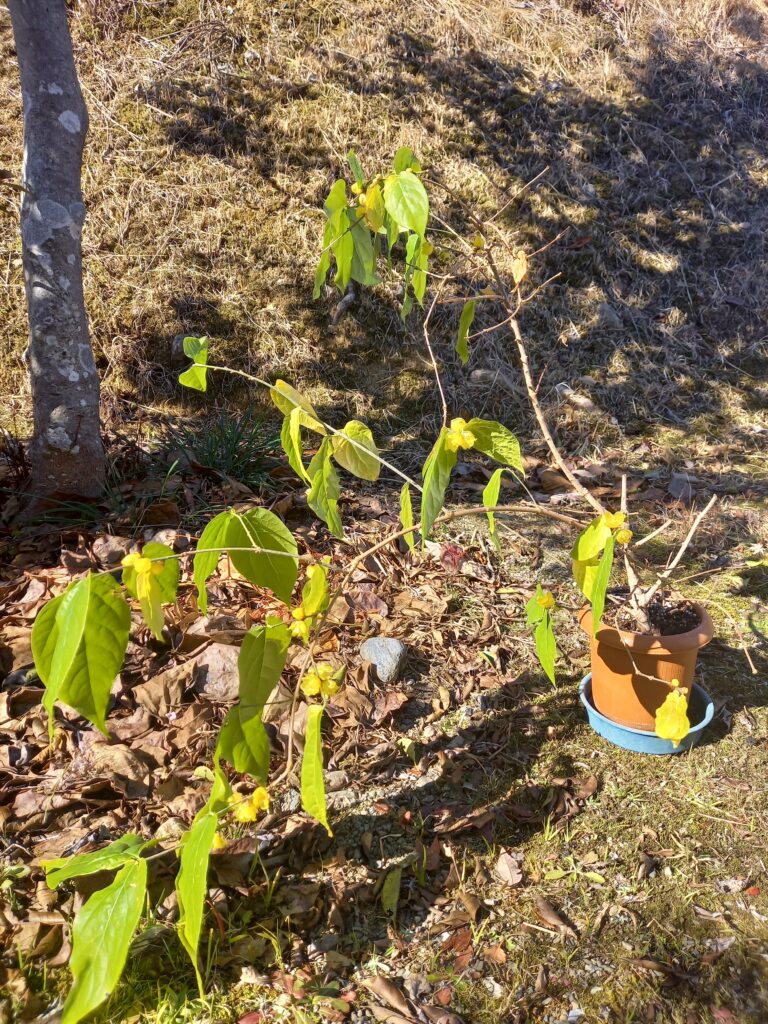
[67, 454]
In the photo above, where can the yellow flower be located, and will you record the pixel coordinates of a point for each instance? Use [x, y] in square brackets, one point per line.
[219, 842]
[672, 721]
[298, 613]
[623, 536]
[613, 520]
[357, 188]
[675, 683]
[248, 810]
[320, 681]
[546, 601]
[459, 435]
[299, 630]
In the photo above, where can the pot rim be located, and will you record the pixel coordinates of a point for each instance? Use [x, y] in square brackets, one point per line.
[652, 643]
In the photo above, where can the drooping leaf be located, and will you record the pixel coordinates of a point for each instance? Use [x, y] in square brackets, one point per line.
[406, 201]
[436, 475]
[600, 584]
[314, 594]
[500, 444]
[355, 450]
[196, 377]
[192, 884]
[290, 437]
[168, 579]
[209, 547]
[546, 648]
[101, 937]
[406, 514]
[154, 584]
[356, 167]
[62, 869]
[534, 609]
[465, 322]
[287, 398]
[585, 573]
[343, 248]
[491, 500]
[591, 541]
[78, 644]
[374, 207]
[264, 566]
[363, 268]
[312, 782]
[417, 250]
[243, 740]
[405, 160]
[323, 494]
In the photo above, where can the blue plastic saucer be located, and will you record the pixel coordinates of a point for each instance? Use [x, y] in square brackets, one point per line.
[700, 710]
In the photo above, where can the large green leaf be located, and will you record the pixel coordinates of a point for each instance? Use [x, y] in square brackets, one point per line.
[465, 322]
[315, 596]
[417, 260]
[192, 884]
[600, 584]
[405, 160]
[290, 437]
[406, 514]
[355, 450]
[78, 644]
[101, 936]
[212, 541]
[260, 528]
[243, 740]
[61, 869]
[196, 376]
[337, 197]
[591, 541]
[356, 167]
[436, 474]
[287, 398]
[406, 201]
[343, 248]
[500, 444]
[546, 648]
[363, 256]
[312, 782]
[323, 494]
[490, 500]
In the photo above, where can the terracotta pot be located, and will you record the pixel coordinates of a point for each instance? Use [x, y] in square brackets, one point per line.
[622, 695]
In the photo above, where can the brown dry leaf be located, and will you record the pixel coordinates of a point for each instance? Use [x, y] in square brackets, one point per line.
[421, 601]
[388, 704]
[165, 691]
[471, 902]
[509, 868]
[551, 917]
[495, 954]
[389, 993]
[369, 602]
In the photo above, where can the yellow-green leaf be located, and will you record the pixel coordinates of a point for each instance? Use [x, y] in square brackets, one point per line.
[437, 475]
[490, 500]
[591, 541]
[312, 782]
[192, 885]
[500, 444]
[355, 450]
[196, 376]
[406, 201]
[290, 437]
[600, 584]
[390, 892]
[406, 514]
[287, 398]
[101, 937]
[465, 322]
[323, 494]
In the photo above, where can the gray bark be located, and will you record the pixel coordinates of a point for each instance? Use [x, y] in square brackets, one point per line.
[67, 454]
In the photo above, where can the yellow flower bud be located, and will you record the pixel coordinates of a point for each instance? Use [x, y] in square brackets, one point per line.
[300, 630]
[249, 809]
[546, 600]
[329, 687]
[459, 435]
[478, 241]
[613, 520]
[624, 536]
[298, 613]
[219, 842]
[357, 189]
[311, 684]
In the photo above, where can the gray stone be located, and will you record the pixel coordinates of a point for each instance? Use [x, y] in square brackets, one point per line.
[215, 675]
[387, 656]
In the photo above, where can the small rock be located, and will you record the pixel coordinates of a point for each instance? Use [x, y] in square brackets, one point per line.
[111, 550]
[171, 828]
[387, 656]
[215, 673]
[609, 317]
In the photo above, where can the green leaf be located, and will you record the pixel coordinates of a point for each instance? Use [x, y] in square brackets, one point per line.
[101, 937]
[495, 440]
[290, 437]
[312, 782]
[363, 267]
[594, 876]
[436, 475]
[534, 611]
[168, 579]
[243, 740]
[406, 201]
[406, 514]
[192, 884]
[355, 166]
[355, 450]
[314, 594]
[390, 892]
[209, 547]
[405, 160]
[78, 644]
[343, 248]
[546, 648]
[323, 494]
[196, 376]
[490, 500]
[600, 584]
[324, 263]
[375, 213]
[555, 874]
[62, 869]
[416, 261]
[260, 528]
[591, 541]
[337, 198]
[287, 398]
[465, 322]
